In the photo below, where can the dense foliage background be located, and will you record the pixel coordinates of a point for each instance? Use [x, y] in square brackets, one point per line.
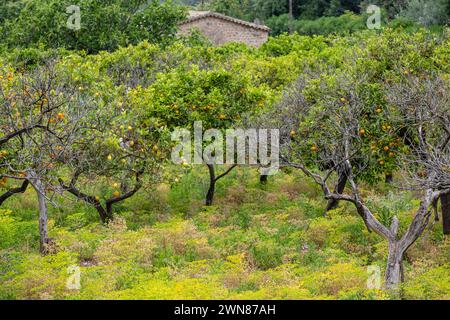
[106, 25]
[340, 16]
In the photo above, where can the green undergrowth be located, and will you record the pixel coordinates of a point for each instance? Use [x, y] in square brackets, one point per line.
[257, 242]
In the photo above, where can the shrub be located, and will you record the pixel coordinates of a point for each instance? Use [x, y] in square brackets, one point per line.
[15, 233]
[266, 254]
[433, 284]
[134, 246]
[346, 23]
[76, 220]
[42, 277]
[336, 278]
[82, 242]
[186, 289]
[178, 242]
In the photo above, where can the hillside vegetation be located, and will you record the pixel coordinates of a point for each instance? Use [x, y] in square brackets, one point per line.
[87, 134]
[257, 242]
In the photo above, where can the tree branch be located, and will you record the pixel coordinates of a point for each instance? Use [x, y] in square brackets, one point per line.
[225, 173]
[14, 191]
[137, 187]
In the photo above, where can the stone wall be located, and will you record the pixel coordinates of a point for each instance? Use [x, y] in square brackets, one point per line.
[221, 31]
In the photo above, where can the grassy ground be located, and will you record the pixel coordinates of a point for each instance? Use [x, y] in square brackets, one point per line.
[257, 242]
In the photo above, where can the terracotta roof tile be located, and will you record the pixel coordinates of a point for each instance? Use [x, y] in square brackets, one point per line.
[197, 15]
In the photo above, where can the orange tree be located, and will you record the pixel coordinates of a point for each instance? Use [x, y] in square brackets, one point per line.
[218, 97]
[338, 123]
[120, 153]
[380, 59]
[42, 117]
[182, 84]
[59, 133]
[386, 60]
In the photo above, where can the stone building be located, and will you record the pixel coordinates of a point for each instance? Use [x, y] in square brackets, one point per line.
[221, 29]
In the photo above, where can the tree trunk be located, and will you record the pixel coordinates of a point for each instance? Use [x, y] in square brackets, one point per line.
[340, 187]
[212, 185]
[43, 217]
[394, 269]
[102, 212]
[445, 204]
[291, 17]
[389, 178]
[263, 178]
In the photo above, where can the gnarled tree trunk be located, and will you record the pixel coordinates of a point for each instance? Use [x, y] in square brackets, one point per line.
[445, 204]
[340, 187]
[394, 268]
[263, 178]
[397, 247]
[212, 185]
[43, 216]
[389, 178]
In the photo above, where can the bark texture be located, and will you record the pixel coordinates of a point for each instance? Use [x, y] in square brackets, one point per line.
[263, 178]
[445, 204]
[212, 185]
[389, 178]
[394, 268]
[43, 216]
[340, 187]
